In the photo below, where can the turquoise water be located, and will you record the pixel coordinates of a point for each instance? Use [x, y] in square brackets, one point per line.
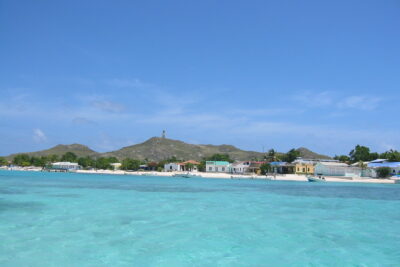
[65, 219]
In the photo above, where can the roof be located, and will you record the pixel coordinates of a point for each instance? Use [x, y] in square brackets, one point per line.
[185, 162]
[384, 164]
[65, 163]
[334, 164]
[241, 163]
[378, 160]
[217, 162]
[191, 162]
[277, 163]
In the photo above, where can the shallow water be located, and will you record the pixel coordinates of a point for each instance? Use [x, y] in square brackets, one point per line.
[65, 219]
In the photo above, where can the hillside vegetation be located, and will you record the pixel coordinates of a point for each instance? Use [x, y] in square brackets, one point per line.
[157, 149]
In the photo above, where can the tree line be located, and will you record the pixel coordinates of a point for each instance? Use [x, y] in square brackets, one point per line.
[359, 153]
[363, 153]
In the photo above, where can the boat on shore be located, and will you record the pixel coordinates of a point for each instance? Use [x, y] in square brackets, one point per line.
[187, 175]
[316, 179]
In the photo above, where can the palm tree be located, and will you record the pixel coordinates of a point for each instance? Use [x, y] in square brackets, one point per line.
[272, 155]
[363, 166]
[189, 166]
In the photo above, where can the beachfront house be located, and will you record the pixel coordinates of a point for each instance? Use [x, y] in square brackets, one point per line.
[240, 167]
[116, 166]
[218, 166]
[65, 166]
[394, 167]
[172, 167]
[281, 167]
[255, 166]
[305, 168]
[190, 165]
[339, 169]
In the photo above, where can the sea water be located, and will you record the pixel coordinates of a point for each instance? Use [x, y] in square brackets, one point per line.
[66, 219]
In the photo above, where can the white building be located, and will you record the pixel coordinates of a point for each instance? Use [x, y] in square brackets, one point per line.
[190, 165]
[240, 167]
[218, 166]
[374, 165]
[172, 167]
[337, 169]
[67, 166]
[301, 160]
[116, 166]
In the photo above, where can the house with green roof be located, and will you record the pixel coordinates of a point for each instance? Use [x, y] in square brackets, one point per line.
[218, 166]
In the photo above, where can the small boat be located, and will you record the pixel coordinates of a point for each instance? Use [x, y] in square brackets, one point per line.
[237, 177]
[316, 179]
[186, 175]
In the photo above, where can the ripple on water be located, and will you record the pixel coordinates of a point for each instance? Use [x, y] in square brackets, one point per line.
[7, 205]
[328, 190]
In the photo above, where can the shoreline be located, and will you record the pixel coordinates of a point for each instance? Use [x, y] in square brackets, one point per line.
[207, 175]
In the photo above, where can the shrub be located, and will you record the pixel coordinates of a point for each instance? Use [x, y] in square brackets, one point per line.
[265, 168]
[383, 172]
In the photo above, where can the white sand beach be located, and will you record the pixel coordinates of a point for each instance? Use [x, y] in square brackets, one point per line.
[285, 177]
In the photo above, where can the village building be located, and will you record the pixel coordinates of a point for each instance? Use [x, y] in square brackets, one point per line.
[240, 167]
[340, 169]
[116, 166]
[282, 167]
[65, 166]
[190, 165]
[255, 166]
[305, 168]
[375, 164]
[172, 167]
[218, 166]
[312, 161]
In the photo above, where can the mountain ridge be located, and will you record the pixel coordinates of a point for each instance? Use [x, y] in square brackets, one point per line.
[157, 149]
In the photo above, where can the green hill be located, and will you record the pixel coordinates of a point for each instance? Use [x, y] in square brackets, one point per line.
[308, 154]
[59, 150]
[156, 149]
[162, 148]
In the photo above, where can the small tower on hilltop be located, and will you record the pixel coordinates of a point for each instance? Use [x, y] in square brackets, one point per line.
[163, 134]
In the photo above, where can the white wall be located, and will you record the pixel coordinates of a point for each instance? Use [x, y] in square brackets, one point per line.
[240, 168]
[172, 167]
[217, 168]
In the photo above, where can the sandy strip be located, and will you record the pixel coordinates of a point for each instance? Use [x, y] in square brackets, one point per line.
[284, 177]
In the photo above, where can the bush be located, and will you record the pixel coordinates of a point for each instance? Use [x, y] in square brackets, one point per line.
[383, 172]
[265, 168]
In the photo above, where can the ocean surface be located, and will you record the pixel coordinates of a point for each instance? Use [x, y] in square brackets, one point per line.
[66, 219]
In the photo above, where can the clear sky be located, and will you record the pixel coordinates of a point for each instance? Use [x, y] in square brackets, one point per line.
[254, 74]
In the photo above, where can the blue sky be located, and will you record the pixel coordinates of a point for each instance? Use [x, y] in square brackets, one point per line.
[281, 74]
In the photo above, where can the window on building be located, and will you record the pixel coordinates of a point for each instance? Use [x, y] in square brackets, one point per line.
[304, 169]
[210, 168]
[223, 169]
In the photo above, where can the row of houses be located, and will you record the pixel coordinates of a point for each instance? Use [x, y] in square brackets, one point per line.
[299, 166]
